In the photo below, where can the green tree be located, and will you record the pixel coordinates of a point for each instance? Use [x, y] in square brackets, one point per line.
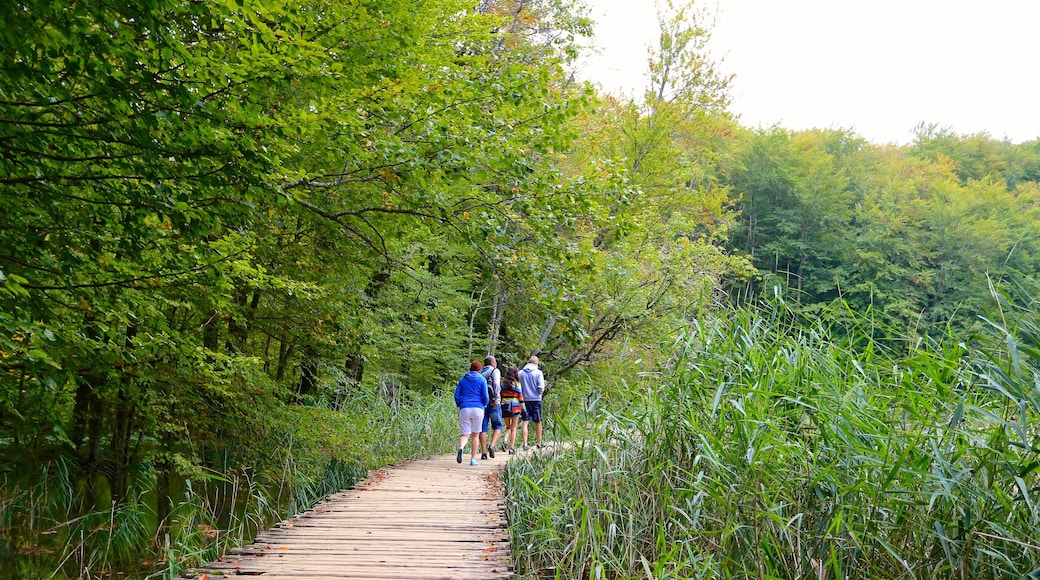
[978, 156]
[208, 205]
[647, 250]
[797, 201]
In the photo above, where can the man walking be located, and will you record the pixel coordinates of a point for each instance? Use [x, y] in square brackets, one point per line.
[493, 412]
[532, 381]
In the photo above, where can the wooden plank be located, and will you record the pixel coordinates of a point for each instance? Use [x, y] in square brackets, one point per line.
[417, 520]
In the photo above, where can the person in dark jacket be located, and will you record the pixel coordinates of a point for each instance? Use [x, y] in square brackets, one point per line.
[471, 397]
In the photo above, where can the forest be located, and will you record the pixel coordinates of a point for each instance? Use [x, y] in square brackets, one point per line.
[247, 248]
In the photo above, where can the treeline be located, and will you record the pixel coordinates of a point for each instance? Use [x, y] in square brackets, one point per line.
[916, 235]
[218, 216]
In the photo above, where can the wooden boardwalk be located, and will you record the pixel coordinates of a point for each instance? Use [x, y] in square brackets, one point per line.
[431, 518]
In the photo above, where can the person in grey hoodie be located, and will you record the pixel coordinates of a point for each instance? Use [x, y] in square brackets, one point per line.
[532, 381]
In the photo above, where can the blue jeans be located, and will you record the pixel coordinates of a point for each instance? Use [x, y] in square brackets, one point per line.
[492, 415]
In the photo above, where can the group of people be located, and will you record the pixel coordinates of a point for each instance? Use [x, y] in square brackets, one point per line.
[487, 401]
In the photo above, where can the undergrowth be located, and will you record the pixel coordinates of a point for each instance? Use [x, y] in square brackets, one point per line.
[317, 450]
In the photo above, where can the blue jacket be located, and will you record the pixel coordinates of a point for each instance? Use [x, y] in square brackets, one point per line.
[471, 391]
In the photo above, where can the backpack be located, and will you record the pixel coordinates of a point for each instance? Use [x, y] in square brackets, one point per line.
[487, 373]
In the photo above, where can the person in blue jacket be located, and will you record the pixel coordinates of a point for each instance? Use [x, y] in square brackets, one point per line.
[471, 397]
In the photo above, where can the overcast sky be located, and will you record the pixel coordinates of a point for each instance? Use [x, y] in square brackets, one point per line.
[878, 67]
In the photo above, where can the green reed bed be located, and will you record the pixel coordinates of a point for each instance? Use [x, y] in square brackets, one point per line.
[773, 449]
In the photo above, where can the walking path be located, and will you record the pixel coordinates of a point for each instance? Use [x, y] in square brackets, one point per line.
[430, 518]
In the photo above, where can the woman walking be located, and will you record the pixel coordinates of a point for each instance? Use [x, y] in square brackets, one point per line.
[471, 396]
[512, 403]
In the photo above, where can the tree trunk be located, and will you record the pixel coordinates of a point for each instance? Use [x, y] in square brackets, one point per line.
[122, 431]
[87, 419]
[498, 309]
[242, 320]
[308, 384]
[163, 502]
[545, 333]
[211, 333]
[354, 367]
[285, 350]
[236, 331]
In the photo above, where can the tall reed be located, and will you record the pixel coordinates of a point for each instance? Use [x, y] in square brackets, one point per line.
[773, 448]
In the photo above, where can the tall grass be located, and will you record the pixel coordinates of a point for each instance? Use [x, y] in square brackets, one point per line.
[773, 448]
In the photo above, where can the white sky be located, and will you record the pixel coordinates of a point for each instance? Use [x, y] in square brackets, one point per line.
[877, 67]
